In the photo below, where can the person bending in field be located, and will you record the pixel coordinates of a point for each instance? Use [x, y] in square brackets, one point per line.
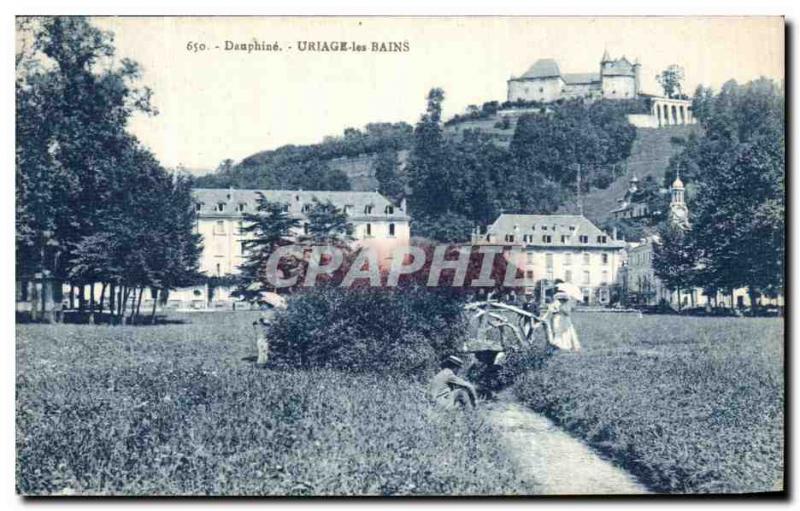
[448, 390]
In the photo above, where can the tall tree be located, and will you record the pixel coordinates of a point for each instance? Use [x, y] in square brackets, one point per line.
[73, 100]
[327, 225]
[266, 230]
[738, 207]
[93, 205]
[670, 80]
[429, 178]
[387, 172]
[674, 259]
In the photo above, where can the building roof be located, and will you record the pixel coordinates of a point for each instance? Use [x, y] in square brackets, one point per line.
[619, 67]
[548, 68]
[357, 202]
[572, 226]
[643, 244]
[579, 78]
[543, 68]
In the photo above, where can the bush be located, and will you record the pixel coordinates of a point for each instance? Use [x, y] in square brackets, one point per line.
[405, 329]
[503, 124]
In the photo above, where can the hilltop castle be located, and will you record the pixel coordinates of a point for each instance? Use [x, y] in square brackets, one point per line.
[616, 79]
[544, 81]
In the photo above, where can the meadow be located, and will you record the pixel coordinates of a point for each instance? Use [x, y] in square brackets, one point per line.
[686, 404]
[689, 405]
[176, 410]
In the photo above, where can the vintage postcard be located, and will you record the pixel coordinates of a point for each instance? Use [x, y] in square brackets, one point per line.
[411, 256]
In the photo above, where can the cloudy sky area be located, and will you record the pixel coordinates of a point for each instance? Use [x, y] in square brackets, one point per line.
[215, 104]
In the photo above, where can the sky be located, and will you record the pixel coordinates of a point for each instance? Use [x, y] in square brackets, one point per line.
[218, 104]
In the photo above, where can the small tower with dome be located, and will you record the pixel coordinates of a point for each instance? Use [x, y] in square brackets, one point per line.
[678, 212]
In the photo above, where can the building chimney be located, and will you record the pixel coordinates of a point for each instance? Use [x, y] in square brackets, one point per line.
[403, 204]
[614, 234]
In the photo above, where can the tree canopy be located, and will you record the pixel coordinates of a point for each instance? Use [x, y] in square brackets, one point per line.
[735, 178]
[92, 204]
[457, 184]
[671, 80]
[308, 167]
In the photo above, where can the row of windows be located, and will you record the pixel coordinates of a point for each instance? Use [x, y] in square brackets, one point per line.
[220, 207]
[568, 277]
[641, 258]
[219, 228]
[547, 238]
[547, 227]
[368, 229]
[586, 258]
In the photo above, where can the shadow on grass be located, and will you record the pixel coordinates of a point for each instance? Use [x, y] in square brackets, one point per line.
[82, 318]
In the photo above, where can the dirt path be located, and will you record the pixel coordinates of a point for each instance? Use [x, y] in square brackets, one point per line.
[561, 464]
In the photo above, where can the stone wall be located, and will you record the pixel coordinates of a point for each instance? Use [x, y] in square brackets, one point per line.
[544, 89]
[619, 87]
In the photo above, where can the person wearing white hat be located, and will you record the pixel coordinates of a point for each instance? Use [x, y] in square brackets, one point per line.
[563, 331]
[448, 390]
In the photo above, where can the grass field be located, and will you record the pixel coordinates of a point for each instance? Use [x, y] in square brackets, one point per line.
[686, 404]
[174, 410]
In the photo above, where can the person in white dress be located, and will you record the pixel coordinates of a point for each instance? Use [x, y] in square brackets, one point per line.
[563, 331]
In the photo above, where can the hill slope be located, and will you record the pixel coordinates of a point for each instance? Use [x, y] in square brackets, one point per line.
[650, 156]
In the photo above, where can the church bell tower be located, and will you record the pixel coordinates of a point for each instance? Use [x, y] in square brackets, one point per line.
[678, 212]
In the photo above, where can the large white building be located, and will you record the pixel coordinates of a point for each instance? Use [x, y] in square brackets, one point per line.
[377, 223]
[565, 247]
[220, 217]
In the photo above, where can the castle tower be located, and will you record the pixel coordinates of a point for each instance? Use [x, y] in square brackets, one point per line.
[637, 69]
[678, 212]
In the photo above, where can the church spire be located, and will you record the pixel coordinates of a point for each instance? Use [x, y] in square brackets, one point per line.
[605, 58]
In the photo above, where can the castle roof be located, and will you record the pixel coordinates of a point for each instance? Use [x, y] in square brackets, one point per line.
[543, 68]
[619, 67]
[572, 226]
[233, 198]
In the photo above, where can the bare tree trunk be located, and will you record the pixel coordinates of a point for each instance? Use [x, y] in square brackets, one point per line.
[155, 301]
[81, 298]
[48, 307]
[71, 296]
[123, 298]
[139, 301]
[133, 305]
[91, 303]
[112, 303]
[102, 297]
[125, 305]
